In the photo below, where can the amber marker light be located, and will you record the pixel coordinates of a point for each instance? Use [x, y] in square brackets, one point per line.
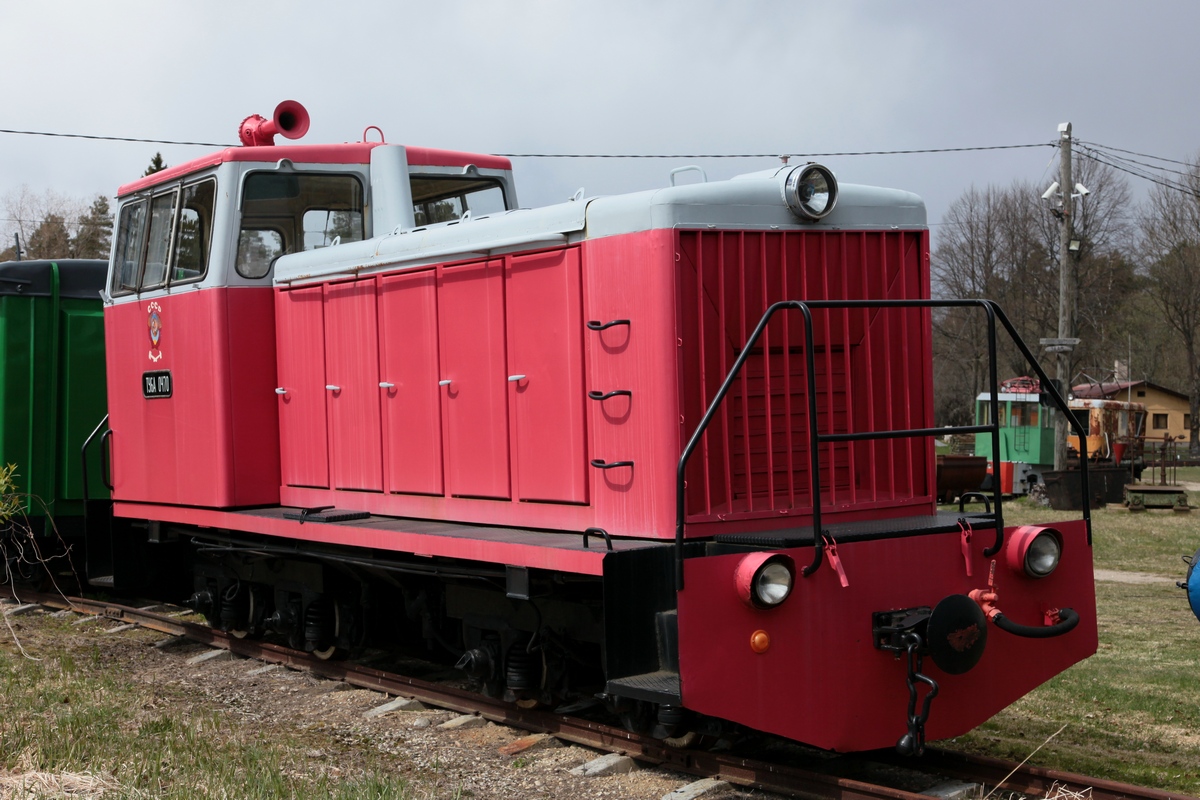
[760, 641]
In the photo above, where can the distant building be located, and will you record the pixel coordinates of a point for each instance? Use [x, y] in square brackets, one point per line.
[1166, 409]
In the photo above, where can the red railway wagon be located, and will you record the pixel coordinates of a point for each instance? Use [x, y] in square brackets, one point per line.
[669, 447]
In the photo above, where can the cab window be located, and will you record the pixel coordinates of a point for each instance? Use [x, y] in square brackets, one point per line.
[158, 244]
[438, 199]
[165, 239]
[131, 239]
[290, 213]
[193, 238]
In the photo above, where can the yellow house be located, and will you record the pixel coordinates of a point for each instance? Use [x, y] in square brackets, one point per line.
[1167, 411]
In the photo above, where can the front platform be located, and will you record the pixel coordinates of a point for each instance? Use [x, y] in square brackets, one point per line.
[865, 530]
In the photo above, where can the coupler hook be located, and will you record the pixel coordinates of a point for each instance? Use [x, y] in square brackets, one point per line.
[913, 742]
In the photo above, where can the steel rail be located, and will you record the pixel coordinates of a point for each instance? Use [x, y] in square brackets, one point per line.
[734, 769]
[1036, 781]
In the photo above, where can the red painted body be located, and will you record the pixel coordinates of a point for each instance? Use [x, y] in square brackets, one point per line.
[823, 682]
[215, 441]
[495, 448]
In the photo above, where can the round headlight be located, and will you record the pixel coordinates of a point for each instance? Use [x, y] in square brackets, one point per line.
[810, 191]
[1034, 550]
[772, 584]
[1042, 556]
[764, 580]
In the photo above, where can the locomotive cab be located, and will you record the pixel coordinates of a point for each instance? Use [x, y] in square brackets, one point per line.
[190, 329]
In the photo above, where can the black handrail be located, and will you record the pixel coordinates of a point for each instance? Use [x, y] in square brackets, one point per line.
[992, 311]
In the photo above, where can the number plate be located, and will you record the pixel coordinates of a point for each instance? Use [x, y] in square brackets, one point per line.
[156, 384]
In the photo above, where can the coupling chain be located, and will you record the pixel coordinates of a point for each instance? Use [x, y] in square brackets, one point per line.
[916, 722]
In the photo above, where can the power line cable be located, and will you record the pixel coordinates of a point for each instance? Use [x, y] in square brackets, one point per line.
[776, 155]
[1124, 160]
[1133, 153]
[110, 138]
[1163, 183]
[576, 155]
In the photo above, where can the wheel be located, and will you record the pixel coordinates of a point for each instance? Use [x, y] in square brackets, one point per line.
[684, 742]
[327, 653]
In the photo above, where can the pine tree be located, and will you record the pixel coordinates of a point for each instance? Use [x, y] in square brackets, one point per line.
[156, 165]
[50, 239]
[94, 236]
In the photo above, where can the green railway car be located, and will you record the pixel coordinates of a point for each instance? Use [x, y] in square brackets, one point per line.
[52, 384]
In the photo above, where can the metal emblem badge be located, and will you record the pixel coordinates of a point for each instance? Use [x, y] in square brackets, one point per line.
[155, 324]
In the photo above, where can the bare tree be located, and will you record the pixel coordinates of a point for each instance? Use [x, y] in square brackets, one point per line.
[1170, 230]
[24, 211]
[1002, 244]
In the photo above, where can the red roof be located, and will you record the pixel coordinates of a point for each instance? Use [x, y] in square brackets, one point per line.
[349, 153]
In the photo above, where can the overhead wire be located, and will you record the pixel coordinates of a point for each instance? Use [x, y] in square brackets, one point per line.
[778, 155]
[1116, 163]
[575, 155]
[1132, 152]
[110, 138]
[1100, 153]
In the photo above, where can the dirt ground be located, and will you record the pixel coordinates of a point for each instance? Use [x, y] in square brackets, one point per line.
[329, 718]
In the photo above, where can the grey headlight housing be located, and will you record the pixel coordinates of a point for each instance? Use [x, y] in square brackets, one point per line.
[810, 191]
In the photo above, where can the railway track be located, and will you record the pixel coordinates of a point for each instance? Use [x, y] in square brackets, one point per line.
[763, 775]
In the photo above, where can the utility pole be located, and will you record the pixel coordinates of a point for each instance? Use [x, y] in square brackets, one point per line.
[1066, 292]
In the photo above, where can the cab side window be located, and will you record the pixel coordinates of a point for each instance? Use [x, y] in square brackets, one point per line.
[166, 239]
[193, 238]
[290, 213]
[440, 199]
[131, 239]
[158, 244]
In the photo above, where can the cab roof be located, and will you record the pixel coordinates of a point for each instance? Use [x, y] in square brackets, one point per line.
[348, 153]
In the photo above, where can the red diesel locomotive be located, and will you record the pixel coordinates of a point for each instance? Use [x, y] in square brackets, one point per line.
[670, 448]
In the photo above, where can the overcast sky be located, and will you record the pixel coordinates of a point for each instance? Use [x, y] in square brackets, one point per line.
[610, 76]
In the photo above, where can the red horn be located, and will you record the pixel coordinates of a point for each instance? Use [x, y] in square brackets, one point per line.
[290, 119]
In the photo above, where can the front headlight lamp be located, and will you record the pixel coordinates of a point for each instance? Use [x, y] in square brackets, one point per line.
[810, 191]
[764, 580]
[1034, 550]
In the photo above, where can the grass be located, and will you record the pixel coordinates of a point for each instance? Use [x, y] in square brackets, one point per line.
[1131, 709]
[73, 713]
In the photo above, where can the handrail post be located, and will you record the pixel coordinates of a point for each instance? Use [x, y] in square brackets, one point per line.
[997, 483]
